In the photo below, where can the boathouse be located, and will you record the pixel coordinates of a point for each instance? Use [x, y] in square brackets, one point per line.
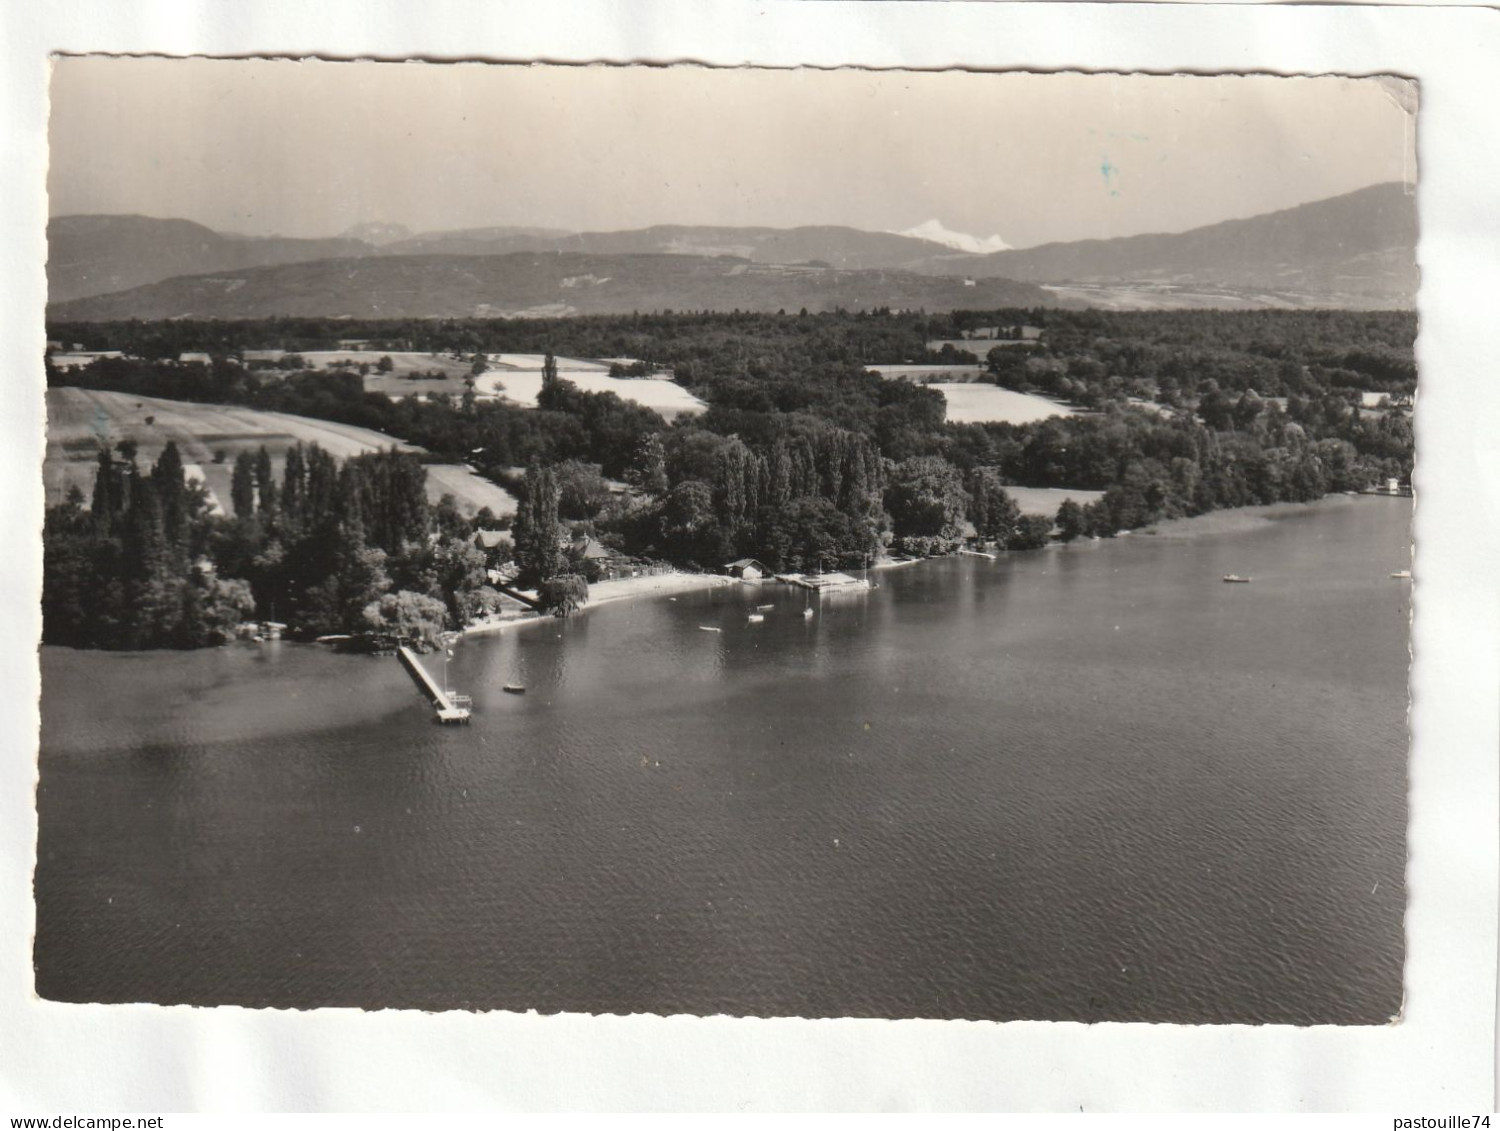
[747, 569]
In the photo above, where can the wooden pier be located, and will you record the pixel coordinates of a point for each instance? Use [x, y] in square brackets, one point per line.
[824, 582]
[450, 708]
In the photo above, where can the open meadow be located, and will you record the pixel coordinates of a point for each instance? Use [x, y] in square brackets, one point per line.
[1046, 500]
[521, 386]
[209, 437]
[515, 377]
[976, 403]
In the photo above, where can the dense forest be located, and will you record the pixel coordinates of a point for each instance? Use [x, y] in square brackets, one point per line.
[803, 459]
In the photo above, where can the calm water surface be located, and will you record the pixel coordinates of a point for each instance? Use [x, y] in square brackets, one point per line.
[1092, 783]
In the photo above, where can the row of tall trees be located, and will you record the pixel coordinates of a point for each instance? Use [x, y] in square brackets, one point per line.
[127, 570]
[326, 547]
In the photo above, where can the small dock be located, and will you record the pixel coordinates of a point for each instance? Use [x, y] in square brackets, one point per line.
[824, 582]
[450, 708]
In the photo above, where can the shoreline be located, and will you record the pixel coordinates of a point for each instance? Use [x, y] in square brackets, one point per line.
[610, 592]
[661, 584]
[1234, 520]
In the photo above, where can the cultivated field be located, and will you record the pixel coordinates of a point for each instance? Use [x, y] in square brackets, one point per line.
[533, 362]
[78, 420]
[408, 374]
[471, 491]
[1046, 500]
[515, 377]
[521, 385]
[401, 363]
[989, 404]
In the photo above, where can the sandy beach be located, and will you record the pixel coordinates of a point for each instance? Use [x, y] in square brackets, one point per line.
[658, 585]
[625, 588]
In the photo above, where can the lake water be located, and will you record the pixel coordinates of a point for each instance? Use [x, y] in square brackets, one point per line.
[1092, 783]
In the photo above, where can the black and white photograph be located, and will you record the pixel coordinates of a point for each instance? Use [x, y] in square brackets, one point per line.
[765, 542]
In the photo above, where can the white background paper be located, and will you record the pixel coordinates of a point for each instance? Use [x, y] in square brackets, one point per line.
[1438, 1060]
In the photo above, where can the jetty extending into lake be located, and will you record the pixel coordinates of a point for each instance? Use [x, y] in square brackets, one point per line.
[824, 582]
[450, 708]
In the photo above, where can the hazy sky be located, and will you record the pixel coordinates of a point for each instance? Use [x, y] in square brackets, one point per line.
[309, 148]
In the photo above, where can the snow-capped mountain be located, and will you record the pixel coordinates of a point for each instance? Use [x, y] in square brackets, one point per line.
[959, 241]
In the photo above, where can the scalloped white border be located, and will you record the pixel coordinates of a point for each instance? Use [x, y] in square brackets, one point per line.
[1438, 1060]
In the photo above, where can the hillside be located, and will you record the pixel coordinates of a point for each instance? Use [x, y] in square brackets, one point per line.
[1357, 250]
[472, 241]
[78, 420]
[1352, 250]
[849, 249]
[540, 285]
[92, 255]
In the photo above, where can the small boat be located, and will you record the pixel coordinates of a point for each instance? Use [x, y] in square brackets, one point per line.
[1236, 579]
[710, 628]
[764, 608]
[514, 689]
[807, 613]
[1402, 575]
[755, 618]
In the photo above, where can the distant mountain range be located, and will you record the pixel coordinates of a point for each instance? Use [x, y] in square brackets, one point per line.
[1360, 245]
[848, 249]
[539, 284]
[93, 255]
[1356, 250]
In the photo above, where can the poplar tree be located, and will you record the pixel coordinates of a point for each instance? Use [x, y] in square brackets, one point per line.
[107, 501]
[293, 485]
[537, 532]
[170, 485]
[242, 486]
[153, 588]
[265, 482]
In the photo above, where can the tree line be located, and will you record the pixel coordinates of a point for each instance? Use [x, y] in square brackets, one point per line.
[803, 459]
[326, 547]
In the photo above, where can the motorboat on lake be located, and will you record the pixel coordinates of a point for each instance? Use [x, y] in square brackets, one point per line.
[1236, 579]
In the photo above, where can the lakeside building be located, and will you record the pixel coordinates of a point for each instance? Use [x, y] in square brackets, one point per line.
[747, 569]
